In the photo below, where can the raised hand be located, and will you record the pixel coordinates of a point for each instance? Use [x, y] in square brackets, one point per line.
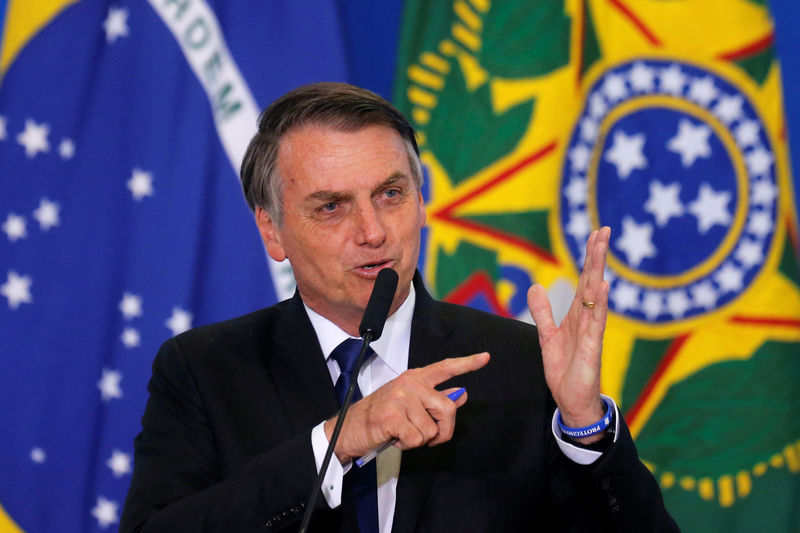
[408, 409]
[571, 351]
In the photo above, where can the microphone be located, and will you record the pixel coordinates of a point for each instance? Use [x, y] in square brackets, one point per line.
[370, 329]
[380, 301]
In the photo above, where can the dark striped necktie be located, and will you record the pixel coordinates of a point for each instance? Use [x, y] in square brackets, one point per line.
[362, 481]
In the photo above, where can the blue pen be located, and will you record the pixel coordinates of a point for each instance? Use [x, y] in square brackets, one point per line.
[361, 461]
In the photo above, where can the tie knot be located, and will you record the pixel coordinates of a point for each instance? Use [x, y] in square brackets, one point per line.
[346, 354]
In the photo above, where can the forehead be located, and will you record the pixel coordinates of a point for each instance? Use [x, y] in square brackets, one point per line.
[321, 157]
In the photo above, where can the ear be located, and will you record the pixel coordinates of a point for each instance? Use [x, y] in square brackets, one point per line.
[269, 234]
[423, 217]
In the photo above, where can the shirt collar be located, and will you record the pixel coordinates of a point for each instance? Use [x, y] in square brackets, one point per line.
[392, 347]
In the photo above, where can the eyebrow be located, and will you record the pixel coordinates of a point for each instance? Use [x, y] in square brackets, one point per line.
[333, 196]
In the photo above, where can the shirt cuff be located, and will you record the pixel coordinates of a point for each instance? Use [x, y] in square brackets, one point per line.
[576, 454]
[334, 477]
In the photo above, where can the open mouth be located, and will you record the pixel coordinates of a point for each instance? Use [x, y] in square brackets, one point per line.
[373, 266]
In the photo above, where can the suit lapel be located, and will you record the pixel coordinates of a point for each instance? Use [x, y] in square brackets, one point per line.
[429, 333]
[301, 377]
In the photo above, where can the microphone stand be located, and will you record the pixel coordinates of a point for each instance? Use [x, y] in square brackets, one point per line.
[312, 500]
[370, 329]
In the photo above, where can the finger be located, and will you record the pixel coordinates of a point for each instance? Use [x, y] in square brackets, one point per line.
[541, 312]
[447, 425]
[424, 423]
[597, 325]
[461, 400]
[445, 369]
[587, 259]
[409, 436]
[592, 275]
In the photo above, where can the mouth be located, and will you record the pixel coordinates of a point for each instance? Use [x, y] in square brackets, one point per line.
[372, 269]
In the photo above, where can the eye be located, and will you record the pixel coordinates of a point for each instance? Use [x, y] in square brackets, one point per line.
[330, 206]
[392, 193]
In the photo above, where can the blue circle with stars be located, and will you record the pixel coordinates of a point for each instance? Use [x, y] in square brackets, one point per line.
[673, 196]
[658, 172]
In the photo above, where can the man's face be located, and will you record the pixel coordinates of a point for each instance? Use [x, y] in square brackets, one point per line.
[351, 208]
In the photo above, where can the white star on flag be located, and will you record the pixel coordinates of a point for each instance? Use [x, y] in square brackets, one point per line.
[105, 512]
[46, 214]
[131, 305]
[38, 455]
[636, 241]
[66, 148]
[179, 321]
[749, 253]
[17, 289]
[34, 138]
[690, 142]
[746, 133]
[730, 278]
[764, 193]
[626, 153]
[119, 463]
[652, 304]
[116, 24]
[678, 303]
[711, 208]
[664, 202]
[759, 224]
[588, 129]
[672, 80]
[614, 87]
[3, 128]
[130, 337]
[109, 385]
[625, 296]
[14, 227]
[758, 162]
[579, 225]
[703, 91]
[642, 78]
[704, 295]
[579, 156]
[597, 106]
[729, 108]
[576, 191]
[140, 184]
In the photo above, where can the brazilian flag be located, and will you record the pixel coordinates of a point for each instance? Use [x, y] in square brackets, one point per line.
[540, 121]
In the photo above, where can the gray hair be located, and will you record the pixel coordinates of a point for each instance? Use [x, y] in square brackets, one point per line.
[340, 106]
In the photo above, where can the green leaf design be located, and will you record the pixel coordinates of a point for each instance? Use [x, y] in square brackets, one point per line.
[727, 417]
[465, 133]
[758, 65]
[645, 357]
[788, 266]
[591, 46]
[771, 506]
[453, 270]
[524, 39]
[530, 226]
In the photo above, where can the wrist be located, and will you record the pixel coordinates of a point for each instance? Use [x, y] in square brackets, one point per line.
[328, 427]
[580, 418]
[592, 432]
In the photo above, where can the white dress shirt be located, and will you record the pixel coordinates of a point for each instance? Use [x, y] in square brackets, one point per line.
[390, 361]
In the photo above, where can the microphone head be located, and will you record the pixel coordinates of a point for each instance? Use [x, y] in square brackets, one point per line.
[380, 301]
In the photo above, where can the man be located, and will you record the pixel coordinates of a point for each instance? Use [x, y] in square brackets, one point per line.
[240, 412]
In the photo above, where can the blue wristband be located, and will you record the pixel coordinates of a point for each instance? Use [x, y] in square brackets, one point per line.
[587, 431]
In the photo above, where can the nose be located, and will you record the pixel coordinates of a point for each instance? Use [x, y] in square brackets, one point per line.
[369, 230]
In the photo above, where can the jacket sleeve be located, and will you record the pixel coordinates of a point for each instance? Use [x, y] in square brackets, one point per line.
[177, 483]
[616, 493]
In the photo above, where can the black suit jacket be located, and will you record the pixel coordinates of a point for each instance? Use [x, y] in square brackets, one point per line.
[226, 437]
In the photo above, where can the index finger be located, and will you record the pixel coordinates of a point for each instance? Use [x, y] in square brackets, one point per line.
[445, 369]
